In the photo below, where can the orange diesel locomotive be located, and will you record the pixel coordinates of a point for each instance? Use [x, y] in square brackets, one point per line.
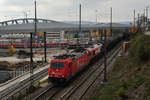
[65, 66]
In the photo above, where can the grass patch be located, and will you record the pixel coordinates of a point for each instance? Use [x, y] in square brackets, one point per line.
[112, 91]
[108, 97]
[113, 86]
[94, 98]
[137, 81]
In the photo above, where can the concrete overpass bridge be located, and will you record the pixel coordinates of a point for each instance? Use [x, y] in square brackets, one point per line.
[44, 25]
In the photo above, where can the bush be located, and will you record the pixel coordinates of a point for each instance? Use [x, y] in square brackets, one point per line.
[121, 92]
[140, 48]
[11, 50]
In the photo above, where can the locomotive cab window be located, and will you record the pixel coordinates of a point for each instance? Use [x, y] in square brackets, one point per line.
[57, 65]
[94, 53]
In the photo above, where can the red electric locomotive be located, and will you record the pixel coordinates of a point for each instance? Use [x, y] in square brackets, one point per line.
[64, 66]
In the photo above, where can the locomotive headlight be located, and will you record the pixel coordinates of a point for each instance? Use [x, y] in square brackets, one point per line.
[50, 75]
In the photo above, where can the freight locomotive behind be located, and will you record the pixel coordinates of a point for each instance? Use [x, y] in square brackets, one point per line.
[64, 67]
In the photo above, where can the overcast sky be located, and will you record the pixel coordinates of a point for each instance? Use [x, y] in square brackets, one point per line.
[68, 9]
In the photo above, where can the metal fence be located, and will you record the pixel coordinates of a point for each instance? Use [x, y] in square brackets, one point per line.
[7, 75]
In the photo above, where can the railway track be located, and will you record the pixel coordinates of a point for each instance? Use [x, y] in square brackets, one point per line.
[87, 78]
[98, 72]
[45, 94]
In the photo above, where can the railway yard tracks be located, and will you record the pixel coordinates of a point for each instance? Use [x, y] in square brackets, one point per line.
[8, 90]
[19, 72]
[79, 86]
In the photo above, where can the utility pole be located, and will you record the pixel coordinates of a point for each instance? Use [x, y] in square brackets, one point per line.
[35, 23]
[147, 15]
[79, 22]
[45, 50]
[105, 58]
[111, 21]
[134, 18]
[144, 19]
[138, 22]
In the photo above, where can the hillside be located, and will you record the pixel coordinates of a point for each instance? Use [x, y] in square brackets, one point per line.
[130, 76]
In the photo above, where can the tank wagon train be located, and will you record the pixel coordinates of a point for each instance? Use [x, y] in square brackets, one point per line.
[63, 67]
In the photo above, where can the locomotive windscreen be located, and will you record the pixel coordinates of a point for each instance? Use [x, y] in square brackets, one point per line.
[57, 65]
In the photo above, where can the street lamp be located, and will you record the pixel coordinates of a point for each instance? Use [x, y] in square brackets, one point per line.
[96, 15]
[26, 13]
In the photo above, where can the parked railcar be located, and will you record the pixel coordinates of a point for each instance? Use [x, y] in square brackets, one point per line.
[27, 45]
